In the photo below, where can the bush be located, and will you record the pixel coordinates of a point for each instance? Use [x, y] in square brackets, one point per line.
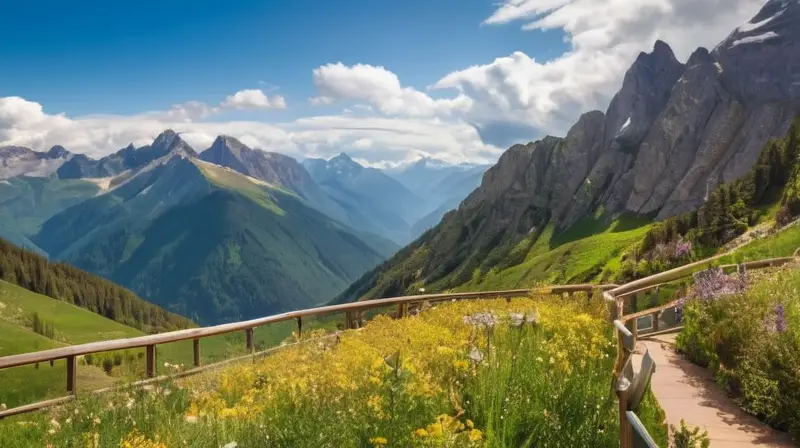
[689, 438]
[751, 342]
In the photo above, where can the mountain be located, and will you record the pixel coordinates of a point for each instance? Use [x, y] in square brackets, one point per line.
[18, 160]
[422, 176]
[276, 169]
[672, 133]
[206, 241]
[128, 158]
[449, 193]
[382, 203]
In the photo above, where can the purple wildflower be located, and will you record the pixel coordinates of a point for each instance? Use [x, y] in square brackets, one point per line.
[780, 319]
[713, 283]
[682, 249]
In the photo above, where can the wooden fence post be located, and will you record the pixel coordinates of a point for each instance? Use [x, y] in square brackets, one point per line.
[299, 328]
[196, 343]
[72, 373]
[635, 328]
[150, 355]
[348, 320]
[655, 320]
[625, 434]
[249, 339]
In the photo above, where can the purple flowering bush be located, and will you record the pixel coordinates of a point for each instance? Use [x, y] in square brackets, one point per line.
[745, 328]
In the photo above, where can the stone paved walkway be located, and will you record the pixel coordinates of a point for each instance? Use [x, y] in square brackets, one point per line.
[687, 391]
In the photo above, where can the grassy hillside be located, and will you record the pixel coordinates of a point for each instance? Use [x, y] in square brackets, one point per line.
[529, 378]
[211, 244]
[75, 325]
[69, 284]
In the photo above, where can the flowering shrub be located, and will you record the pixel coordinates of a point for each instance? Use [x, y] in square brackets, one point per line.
[529, 372]
[750, 339]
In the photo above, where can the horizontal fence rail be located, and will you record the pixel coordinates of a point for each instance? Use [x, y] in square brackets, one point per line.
[352, 313]
[629, 386]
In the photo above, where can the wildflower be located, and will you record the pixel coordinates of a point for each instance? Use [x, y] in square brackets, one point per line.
[421, 433]
[190, 419]
[517, 319]
[51, 431]
[476, 355]
[96, 421]
[531, 317]
[475, 435]
[481, 320]
[3, 407]
[682, 249]
[780, 319]
[55, 424]
[230, 445]
[378, 441]
[713, 283]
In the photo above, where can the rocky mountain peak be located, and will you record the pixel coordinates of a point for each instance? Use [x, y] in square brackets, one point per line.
[760, 60]
[168, 142]
[58, 152]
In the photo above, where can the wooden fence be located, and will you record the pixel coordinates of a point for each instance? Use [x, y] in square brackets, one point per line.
[629, 386]
[353, 318]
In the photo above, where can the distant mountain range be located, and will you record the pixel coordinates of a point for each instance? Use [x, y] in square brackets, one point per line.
[229, 233]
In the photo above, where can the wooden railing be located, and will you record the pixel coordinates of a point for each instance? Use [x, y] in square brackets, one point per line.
[353, 319]
[630, 386]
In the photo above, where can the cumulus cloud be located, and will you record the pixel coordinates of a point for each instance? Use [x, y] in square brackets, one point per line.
[380, 88]
[253, 99]
[605, 37]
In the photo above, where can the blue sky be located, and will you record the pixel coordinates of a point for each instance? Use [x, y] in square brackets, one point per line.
[126, 57]
[385, 81]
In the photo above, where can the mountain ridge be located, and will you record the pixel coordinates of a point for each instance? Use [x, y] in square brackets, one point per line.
[672, 133]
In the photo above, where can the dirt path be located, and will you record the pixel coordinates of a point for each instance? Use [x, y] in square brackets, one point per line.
[687, 391]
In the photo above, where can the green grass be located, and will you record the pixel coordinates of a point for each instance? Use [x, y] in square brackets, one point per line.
[578, 255]
[782, 244]
[73, 325]
[413, 382]
[754, 358]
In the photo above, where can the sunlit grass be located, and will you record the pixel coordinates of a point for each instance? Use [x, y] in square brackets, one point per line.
[529, 372]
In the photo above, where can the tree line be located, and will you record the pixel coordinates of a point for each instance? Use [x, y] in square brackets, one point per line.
[67, 283]
[731, 208]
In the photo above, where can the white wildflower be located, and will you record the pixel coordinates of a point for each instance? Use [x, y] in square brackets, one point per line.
[230, 445]
[191, 419]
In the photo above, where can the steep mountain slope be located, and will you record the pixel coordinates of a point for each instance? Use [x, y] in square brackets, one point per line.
[208, 242]
[274, 168]
[368, 195]
[672, 134]
[26, 202]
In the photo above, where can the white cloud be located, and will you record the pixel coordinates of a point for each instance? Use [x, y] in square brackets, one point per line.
[382, 89]
[605, 36]
[253, 99]
[372, 138]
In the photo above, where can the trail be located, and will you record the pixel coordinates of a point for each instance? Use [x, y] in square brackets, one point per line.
[687, 391]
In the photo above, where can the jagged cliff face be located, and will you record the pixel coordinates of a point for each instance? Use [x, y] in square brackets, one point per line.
[673, 132]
